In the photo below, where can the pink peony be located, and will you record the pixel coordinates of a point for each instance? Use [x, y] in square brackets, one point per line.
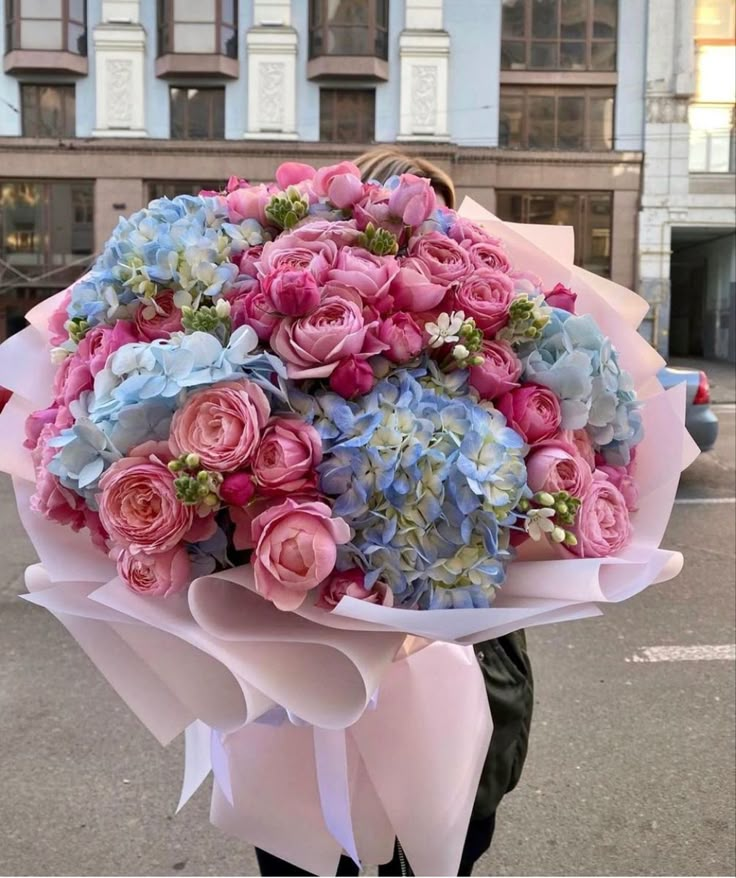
[498, 373]
[487, 254]
[352, 377]
[602, 525]
[139, 508]
[222, 424]
[158, 575]
[446, 261]
[292, 173]
[532, 410]
[621, 478]
[313, 345]
[561, 297]
[249, 203]
[551, 467]
[402, 337]
[413, 289]
[295, 550]
[253, 309]
[370, 275]
[351, 583]
[237, 489]
[158, 319]
[290, 292]
[413, 200]
[287, 456]
[486, 296]
[374, 208]
[57, 320]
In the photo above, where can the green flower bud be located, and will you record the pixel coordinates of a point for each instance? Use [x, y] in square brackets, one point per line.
[191, 460]
[558, 535]
[570, 539]
[544, 498]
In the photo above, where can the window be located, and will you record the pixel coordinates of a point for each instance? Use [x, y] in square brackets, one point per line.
[589, 213]
[172, 188]
[197, 113]
[46, 228]
[714, 19]
[46, 25]
[556, 118]
[47, 110]
[712, 139]
[198, 27]
[559, 34]
[348, 27]
[347, 115]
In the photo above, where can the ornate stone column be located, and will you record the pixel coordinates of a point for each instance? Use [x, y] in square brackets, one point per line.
[424, 48]
[120, 48]
[271, 45]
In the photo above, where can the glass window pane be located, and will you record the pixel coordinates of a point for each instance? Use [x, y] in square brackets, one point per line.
[76, 39]
[350, 13]
[228, 41]
[571, 122]
[544, 19]
[41, 9]
[600, 124]
[347, 115]
[194, 10]
[698, 155]
[605, 14]
[178, 103]
[544, 56]
[541, 122]
[194, 38]
[574, 19]
[596, 255]
[603, 56]
[227, 11]
[36, 34]
[76, 10]
[572, 56]
[513, 18]
[513, 55]
[21, 220]
[511, 121]
[510, 207]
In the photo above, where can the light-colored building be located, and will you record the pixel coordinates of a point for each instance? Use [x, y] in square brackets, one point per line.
[687, 228]
[535, 107]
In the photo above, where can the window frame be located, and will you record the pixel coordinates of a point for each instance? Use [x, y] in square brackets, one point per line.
[66, 87]
[333, 93]
[14, 17]
[376, 36]
[179, 187]
[187, 88]
[165, 21]
[587, 92]
[589, 41]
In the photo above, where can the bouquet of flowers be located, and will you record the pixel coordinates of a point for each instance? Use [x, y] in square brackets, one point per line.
[294, 416]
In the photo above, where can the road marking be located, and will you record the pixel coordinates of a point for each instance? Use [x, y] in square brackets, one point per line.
[691, 501]
[724, 406]
[722, 652]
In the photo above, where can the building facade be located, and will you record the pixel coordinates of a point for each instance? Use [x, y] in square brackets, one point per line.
[687, 237]
[535, 107]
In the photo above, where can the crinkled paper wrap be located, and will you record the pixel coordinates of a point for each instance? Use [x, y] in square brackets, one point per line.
[339, 731]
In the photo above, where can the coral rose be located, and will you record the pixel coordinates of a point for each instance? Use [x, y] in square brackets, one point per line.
[351, 583]
[287, 456]
[159, 575]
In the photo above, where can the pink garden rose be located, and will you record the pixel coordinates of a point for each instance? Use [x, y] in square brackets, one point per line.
[295, 550]
[159, 319]
[413, 289]
[445, 260]
[51, 499]
[293, 173]
[582, 443]
[237, 489]
[343, 233]
[287, 456]
[139, 508]
[532, 410]
[498, 373]
[622, 479]
[602, 525]
[317, 255]
[373, 208]
[402, 337]
[158, 575]
[57, 320]
[370, 275]
[352, 377]
[339, 181]
[487, 254]
[254, 310]
[413, 200]
[291, 292]
[486, 295]
[551, 467]
[351, 583]
[35, 423]
[249, 203]
[222, 424]
[561, 297]
[248, 260]
[463, 229]
[312, 346]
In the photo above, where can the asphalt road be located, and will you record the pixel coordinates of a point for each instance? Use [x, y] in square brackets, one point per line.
[631, 769]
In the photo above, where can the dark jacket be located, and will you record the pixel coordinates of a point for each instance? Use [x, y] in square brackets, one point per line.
[507, 673]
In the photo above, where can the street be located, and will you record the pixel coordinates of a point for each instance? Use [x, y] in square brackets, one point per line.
[631, 767]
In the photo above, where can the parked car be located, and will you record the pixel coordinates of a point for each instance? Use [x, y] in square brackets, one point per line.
[700, 419]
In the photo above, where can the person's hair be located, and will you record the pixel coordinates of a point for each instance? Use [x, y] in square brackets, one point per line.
[384, 162]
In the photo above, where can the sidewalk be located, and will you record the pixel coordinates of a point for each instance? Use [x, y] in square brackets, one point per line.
[722, 376]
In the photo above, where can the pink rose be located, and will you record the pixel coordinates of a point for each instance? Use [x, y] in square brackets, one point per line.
[370, 275]
[342, 233]
[287, 456]
[582, 443]
[532, 410]
[402, 336]
[561, 297]
[498, 373]
[313, 345]
[158, 319]
[335, 180]
[292, 173]
[158, 575]
[317, 255]
[413, 200]
[72, 379]
[602, 525]
[249, 203]
[35, 423]
[291, 292]
[463, 229]
[445, 260]
[373, 208]
[487, 254]
[351, 583]
[352, 377]
[222, 424]
[551, 467]
[57, 320]
[237, 489]
[621, 478]
[413, 289]
[253, 309]
[486, 296]
[51, 499]
[248, 261]
[139, 508]
[295, 550]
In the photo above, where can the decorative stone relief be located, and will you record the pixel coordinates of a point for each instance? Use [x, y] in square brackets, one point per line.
[423, 96]
[271, 75]
[119, 74]
[667, 109]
